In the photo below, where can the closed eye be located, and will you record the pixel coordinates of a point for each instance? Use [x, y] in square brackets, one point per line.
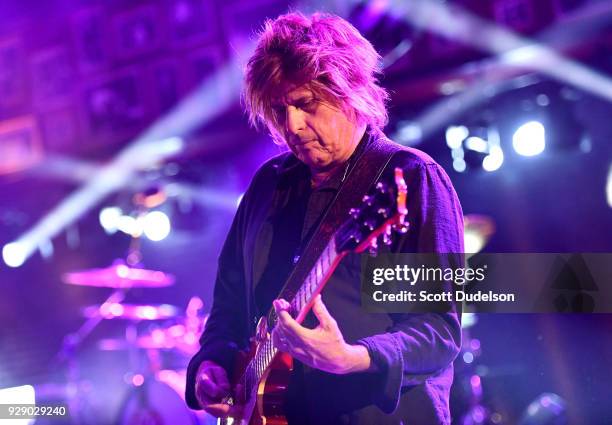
[306, 104]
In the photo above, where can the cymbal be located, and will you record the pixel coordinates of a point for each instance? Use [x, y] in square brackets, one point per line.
[131, 311]
[116, 344]
[119, 275]
[176, 337]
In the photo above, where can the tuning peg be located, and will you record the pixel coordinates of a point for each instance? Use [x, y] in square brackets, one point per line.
[387, 235]
[368, 200]
[373, 248]
[381, 187]
[401, 228]
[369, 224]
[384, 212]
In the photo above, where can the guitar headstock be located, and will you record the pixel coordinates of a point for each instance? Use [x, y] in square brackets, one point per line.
[381, 213]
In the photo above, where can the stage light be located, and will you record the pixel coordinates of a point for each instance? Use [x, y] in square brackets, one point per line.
[138, 380]
[529, 139]
[130, 225]
[160, 141]
[494, 160]
[109, 219]
[14, 254]
[156, 226]
[468, 357]
[408, 133]
[455, 135]
[547, 409]
[473, 242]
[476, 144]
[478, 229]
[459, 165]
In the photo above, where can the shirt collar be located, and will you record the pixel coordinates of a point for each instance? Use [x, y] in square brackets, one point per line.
[291, 164]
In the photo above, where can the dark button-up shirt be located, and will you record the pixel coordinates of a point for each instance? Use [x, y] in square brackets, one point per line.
[413, 352]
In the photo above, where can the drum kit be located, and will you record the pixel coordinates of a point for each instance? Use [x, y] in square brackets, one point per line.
[155, 394]
[156, 389]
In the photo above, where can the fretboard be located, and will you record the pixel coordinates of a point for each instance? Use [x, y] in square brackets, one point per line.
[316, 279]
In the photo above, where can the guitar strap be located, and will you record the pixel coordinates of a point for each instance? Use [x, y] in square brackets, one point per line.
[366, 170]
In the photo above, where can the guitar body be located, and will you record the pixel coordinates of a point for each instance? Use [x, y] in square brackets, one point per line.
[261, 376]
[271, 392]
[265, 405]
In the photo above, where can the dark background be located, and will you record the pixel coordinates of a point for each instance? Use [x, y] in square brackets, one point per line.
[80, 80]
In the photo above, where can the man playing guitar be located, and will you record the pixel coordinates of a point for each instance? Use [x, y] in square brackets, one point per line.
[311, 83]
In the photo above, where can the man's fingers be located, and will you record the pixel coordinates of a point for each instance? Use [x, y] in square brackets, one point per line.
[322, 314]
[209, 390]
[222, 410]
[279, 339]
[219, 376]
[285, 320]
[282, 304]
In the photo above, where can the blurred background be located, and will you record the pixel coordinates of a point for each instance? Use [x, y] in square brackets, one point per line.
[123, 143]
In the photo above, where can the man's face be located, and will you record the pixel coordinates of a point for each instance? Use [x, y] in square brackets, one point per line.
[320, 134]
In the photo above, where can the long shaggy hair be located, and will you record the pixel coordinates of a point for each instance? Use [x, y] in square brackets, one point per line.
[323, 51]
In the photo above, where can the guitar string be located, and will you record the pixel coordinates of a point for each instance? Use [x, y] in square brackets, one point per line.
[267, 351]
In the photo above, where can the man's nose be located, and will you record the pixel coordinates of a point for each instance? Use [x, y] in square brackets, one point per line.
[295, 120]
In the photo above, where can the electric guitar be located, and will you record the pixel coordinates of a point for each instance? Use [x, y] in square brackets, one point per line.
[263, 373]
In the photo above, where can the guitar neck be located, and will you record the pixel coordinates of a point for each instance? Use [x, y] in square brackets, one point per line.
[300, 304]
[383, 211]
[315, 280]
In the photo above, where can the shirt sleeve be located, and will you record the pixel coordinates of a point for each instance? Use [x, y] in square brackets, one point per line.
[419, 346]
[226, 327]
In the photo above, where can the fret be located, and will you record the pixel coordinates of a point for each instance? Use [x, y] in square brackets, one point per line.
[309, 282]
[262, 366]
[296, 302]
[308, 291]
[312, 288]
[323, 258]
[302, 298]
[331, 252]
[249, 378]
[294, 305]
[263, 358]
[266, 351]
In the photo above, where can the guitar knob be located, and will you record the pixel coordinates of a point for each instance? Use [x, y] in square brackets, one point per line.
[368, 200]
[354, 213]
[384, 212]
